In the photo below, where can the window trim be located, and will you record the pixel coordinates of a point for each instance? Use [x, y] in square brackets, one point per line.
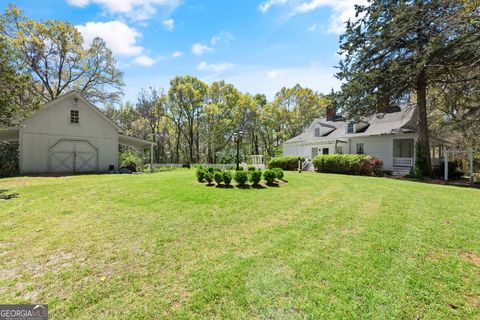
[319, 132]
[354, 125]
[71, 117]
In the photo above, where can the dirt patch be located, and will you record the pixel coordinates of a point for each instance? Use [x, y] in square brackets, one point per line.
[473, 301]
[471, 257]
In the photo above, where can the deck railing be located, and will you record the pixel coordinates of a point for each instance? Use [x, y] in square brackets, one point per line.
[403, 162]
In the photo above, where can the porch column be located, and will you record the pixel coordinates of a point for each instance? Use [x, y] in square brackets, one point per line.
[445, 159]
[470, 158]
[151, 158]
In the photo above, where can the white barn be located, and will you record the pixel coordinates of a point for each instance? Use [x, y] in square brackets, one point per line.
[390, 137]
[69, 135]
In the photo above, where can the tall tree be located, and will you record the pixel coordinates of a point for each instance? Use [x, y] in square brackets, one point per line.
[186, 102]
[399, 49]
[300, 106]
[53, 54]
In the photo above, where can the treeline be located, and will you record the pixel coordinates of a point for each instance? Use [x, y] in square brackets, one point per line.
[194, 122]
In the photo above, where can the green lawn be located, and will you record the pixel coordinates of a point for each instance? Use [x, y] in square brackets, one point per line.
[164, 246]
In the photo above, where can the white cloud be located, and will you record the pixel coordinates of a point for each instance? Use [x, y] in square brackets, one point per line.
[265, 6]
[199, 49]
[144, 60]
[119, 37]
[313, 27]
[169, 24]
[223, 36]
[342, 10]
[216, 68]
[260, 79]
[177, 54]
[135, 9]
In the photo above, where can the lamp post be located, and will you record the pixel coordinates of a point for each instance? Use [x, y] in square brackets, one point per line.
[237, 136]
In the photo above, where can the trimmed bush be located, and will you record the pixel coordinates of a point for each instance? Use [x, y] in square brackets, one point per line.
[278, 173]
[251, 168]
[227, 177]
[211, 170]
[218, 177]
[200, 174]
[289, 163]
[269, 176]
[348, 164]
[241, 177]
[255, 177]
[208, 177]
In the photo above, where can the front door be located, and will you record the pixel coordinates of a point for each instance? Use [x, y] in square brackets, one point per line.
[325, 151]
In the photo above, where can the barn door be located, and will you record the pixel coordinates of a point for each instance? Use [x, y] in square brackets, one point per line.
[73, 156]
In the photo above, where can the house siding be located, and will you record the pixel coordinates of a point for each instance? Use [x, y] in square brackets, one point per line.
[380, 147]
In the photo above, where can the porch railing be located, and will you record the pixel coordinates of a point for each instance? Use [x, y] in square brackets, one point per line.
[403, 162]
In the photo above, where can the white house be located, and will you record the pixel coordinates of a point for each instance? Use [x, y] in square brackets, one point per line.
[388, 136]
[69, 135]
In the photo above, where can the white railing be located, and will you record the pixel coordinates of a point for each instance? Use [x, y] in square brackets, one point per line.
[403, 162]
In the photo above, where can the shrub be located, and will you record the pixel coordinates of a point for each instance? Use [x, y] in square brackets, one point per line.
[211, 169]
[227, 177]
[200, 174]
[269, 176]
[255, 177]
[278, 173]
[218, 177]
[241, 177]
[285, 163]
[208, 177]
[251, 168]
[130, 160]
[348, 164]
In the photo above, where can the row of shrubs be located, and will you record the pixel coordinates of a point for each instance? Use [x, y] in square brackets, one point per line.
[348, 164]
[240, 176]
[289, 163]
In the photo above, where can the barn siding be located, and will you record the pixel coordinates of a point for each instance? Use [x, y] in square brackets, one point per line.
[51, 125]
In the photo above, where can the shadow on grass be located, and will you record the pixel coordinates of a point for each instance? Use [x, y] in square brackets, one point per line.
[223, 186]
[258, 186]
[273, 184]
[462, 183]
[5, 196]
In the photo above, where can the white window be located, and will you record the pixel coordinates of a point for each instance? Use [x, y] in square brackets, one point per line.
[314, 152]
[74, 117]
[360, 148]
[351, 127]
[317, 132]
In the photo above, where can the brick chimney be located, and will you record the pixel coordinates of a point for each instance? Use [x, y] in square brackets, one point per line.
[331, 113]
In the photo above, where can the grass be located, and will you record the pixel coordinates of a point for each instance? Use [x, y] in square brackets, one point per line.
[164, 246]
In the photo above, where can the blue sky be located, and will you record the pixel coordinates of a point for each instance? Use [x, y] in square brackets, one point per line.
[257, 45]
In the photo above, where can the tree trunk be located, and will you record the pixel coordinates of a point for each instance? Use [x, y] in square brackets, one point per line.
[422, 124]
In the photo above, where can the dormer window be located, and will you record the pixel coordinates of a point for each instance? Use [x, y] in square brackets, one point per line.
[351, 127]
[317, 132]
[74, 117]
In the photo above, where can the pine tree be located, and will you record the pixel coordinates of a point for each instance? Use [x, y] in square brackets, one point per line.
[396, 50]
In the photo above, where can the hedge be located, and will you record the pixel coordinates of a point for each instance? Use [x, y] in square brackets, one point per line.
[348, 164]
[285, 163]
